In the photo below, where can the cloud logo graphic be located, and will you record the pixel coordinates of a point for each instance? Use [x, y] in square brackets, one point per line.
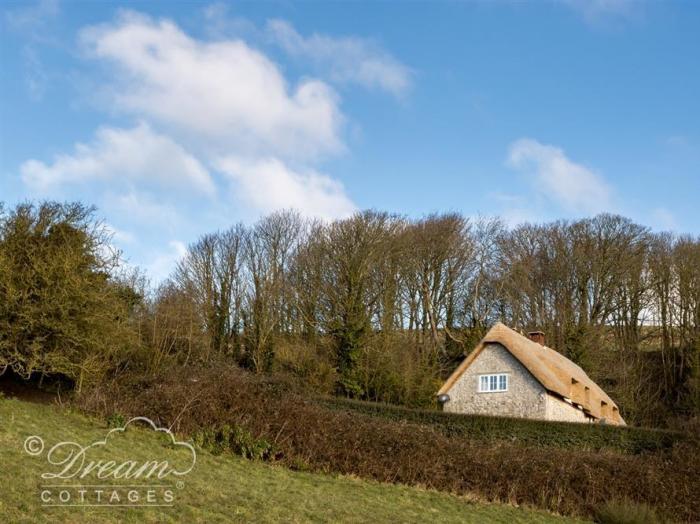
[74, 460]
[149, 422]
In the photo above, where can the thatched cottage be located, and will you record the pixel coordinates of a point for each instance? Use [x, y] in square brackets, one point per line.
[511, 375]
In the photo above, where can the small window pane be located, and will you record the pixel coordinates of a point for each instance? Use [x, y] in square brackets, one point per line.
[489, 383]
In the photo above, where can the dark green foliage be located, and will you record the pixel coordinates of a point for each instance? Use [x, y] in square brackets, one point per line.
[349, 253]
[235, 439]
[349, 340]
[116, 420]
[591, 437]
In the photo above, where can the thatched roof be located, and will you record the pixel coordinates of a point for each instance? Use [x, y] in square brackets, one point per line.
[554, 371]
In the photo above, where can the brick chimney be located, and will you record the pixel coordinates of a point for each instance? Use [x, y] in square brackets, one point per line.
[536, 336]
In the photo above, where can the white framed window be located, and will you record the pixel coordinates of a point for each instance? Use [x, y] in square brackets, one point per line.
[491, 383]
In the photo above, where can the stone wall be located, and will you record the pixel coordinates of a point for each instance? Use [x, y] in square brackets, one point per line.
[557, 409]
[525, 396]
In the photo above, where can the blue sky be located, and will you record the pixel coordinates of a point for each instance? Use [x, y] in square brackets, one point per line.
[177, 119]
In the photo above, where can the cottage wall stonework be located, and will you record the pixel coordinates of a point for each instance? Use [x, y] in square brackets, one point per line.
[525, 398]
[557, 409]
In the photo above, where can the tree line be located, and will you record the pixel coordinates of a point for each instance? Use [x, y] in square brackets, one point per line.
[376, 306]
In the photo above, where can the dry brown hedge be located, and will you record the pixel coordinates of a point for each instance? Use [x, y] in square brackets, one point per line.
[306, 435]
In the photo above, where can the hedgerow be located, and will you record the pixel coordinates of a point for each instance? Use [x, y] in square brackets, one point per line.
[267, 418]
[585, 437]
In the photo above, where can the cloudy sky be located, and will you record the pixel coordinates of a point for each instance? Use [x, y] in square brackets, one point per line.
[177, 119]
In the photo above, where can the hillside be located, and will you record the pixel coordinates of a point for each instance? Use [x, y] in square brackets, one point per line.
[220, 488]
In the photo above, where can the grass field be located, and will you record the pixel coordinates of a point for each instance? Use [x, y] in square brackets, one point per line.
[221, 488]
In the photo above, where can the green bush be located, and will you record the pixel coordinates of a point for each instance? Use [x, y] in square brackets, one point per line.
[589, 437]
[62, 310]
[116, 420]
[626, 512]
[234, 439]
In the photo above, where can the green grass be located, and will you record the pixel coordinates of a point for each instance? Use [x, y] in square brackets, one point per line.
[221, 488]
[571, 435]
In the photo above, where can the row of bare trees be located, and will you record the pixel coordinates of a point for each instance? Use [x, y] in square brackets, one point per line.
[386, 305]
[375, 306]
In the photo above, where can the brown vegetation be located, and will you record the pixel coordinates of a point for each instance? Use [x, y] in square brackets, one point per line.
[262, 416]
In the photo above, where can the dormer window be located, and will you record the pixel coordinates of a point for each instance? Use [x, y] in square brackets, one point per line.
[575, 387]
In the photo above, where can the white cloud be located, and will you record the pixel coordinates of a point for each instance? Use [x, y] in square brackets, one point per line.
[677, 141]
[33, 18]
[557, 178]
[596, 10]
[269, 185]
[119, 235]
[514, 209]
[209, 115]
[663, 219]
[35, 75]
[142, 208]
[220, 23]
[346, 60]
[162, 263]
[224, 93]
[137, 154]
[33, 23]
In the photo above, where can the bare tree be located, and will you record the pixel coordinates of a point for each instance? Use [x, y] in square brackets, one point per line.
[210, 274]
[269, 249]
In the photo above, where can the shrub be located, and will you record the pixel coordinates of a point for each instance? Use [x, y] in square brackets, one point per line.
[309, 362]
[626, 512]
[62, 312]
[392, 369]
[116, 420]
[235, 439]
